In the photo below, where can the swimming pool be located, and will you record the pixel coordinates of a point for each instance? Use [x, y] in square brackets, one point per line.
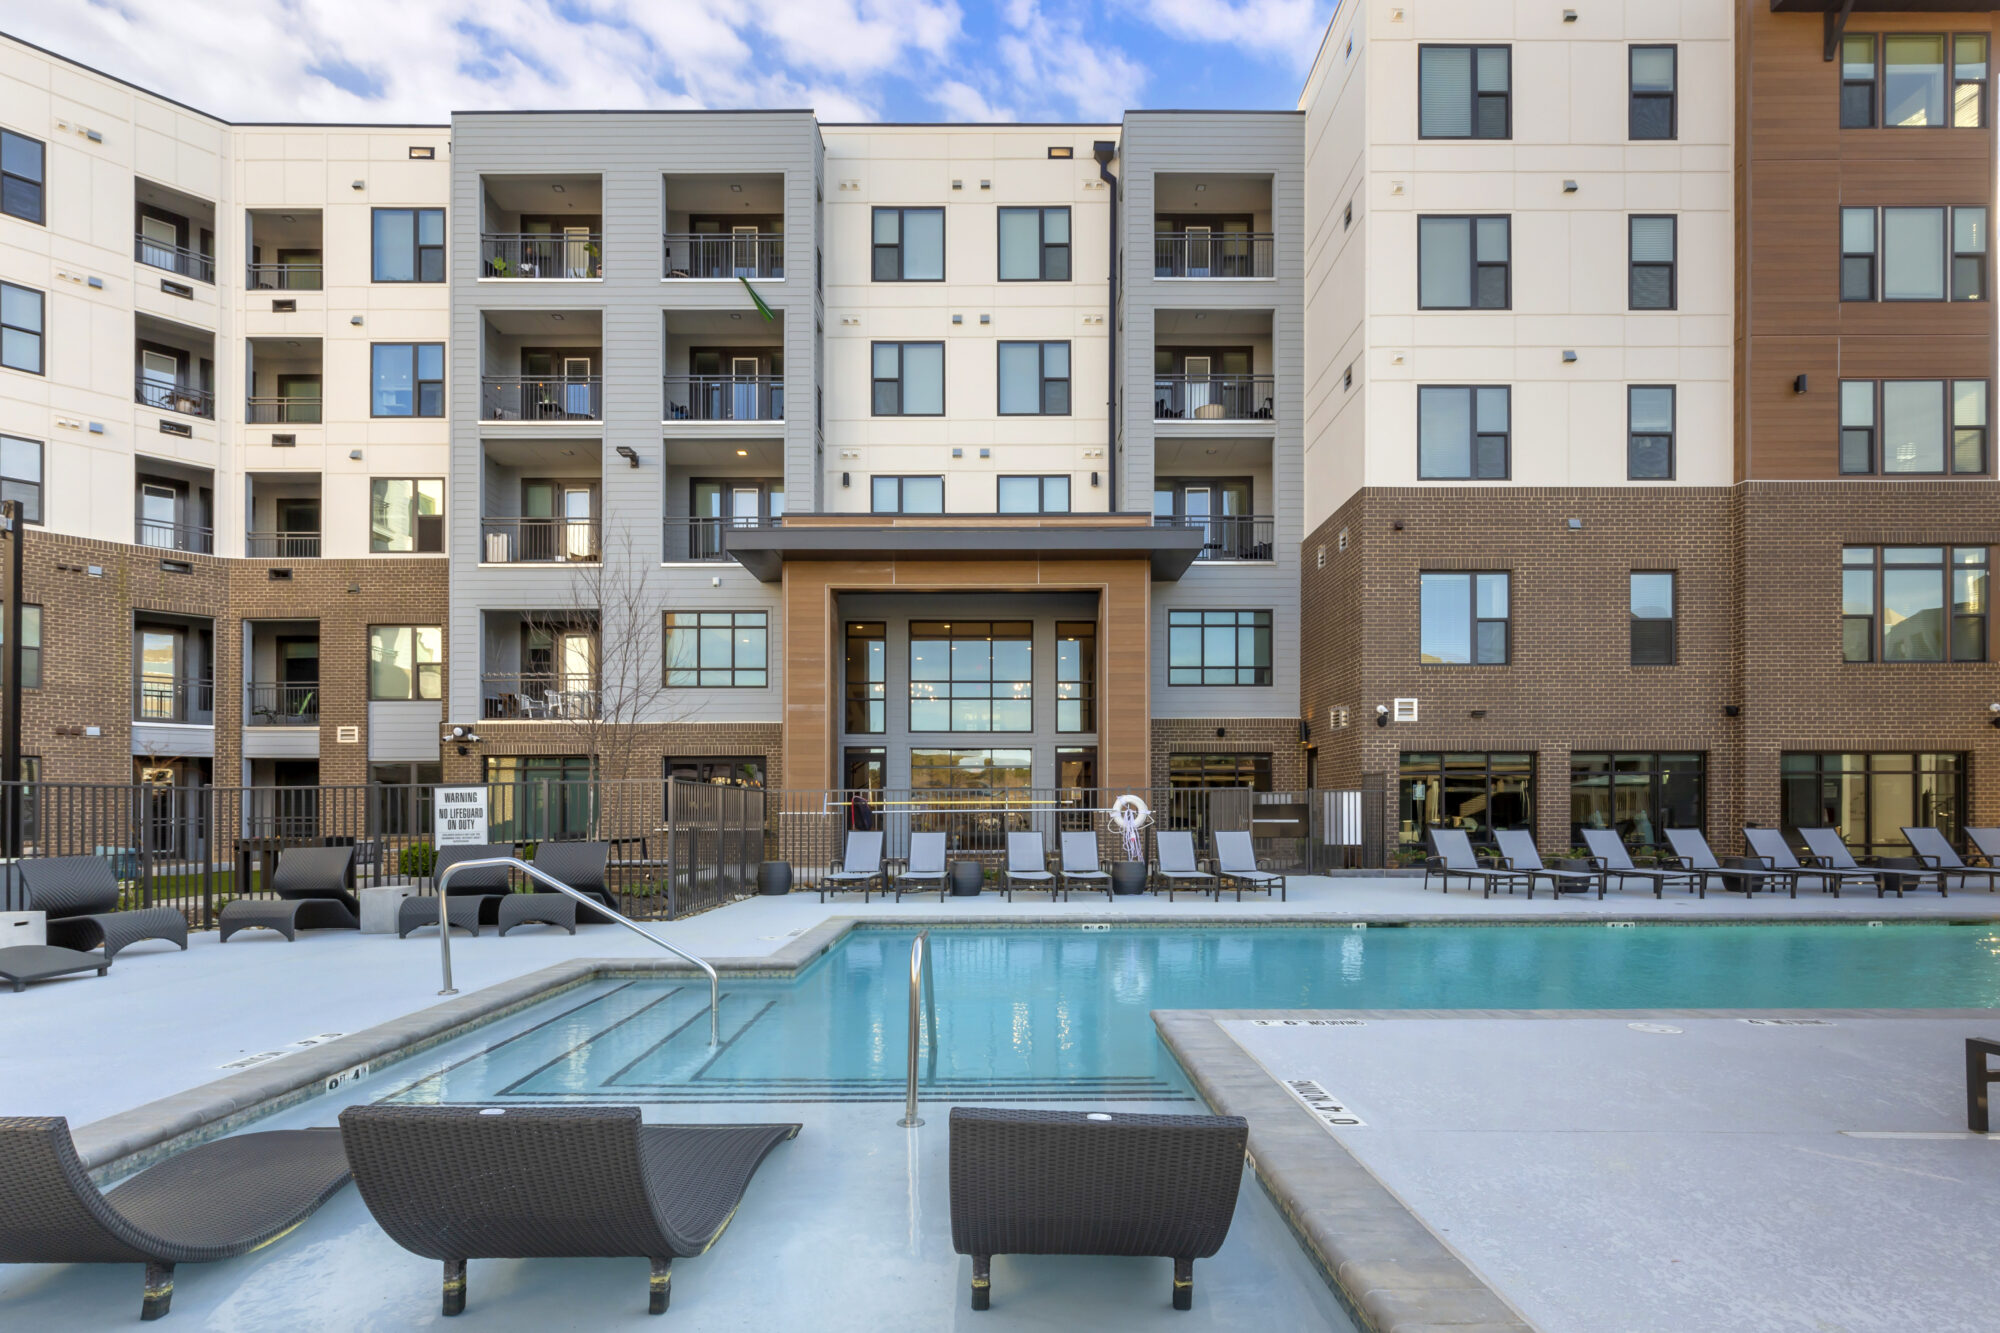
[1062, 1014]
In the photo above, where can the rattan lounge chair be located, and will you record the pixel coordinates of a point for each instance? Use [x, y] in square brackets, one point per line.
[312, 888]
[584, 866]
[1769, 846]
[1739, 873]
[860, 867]
[1829, 850]
[925, 869]
[1093, 1183]
[23, 963]
[1027, 864]
[1079, 865]
[1518, 852]
[1455, 858]
[475, 894]
[454, 1183]
[1935, 850]
[215, 1201]
[80, 895]
[1236, 867]
[1610, 855]
[1177, 867]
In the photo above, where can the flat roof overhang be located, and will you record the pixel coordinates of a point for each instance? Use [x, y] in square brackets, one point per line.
[764, 551]
[1885, 6]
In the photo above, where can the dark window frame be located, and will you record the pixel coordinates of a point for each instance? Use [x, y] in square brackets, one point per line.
[1872, 256]
[1044, 381]
[1506, 437]
[1873, 83]
[417, 672]
[1473, 263]
[10, 486]
[1875, 621]
[1041, 480]
[418, 250]
[1042, 250]
[40, 184]
[416, 539]
[1440, 772]
[870, 695]
[1256, 621]
[761, 623]
[1080, 690]
[1672, 621]
[876, 381]
[1979, 259]
[1632, 434]
[31, 645]
[735, 762]
[40, 334]
[899, 478]
[1878, 81]
[1810, 768]
[950, 632]
[1475, 620]
[1507, 96]
[1633, 265]
[875, 247]
[1672, 97]
[1877, 428]
[1602, 770]
[417, 384]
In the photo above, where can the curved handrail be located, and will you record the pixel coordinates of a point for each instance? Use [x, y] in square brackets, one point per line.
[919, 956]
[543, 877]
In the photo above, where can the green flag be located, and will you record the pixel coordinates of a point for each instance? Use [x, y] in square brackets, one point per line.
[762, 309]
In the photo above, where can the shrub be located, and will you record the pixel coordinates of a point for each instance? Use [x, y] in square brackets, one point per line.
[417, 860]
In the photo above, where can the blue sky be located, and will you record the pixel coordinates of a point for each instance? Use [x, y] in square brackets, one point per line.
[418, 60]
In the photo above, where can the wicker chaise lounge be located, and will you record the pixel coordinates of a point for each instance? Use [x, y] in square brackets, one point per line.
[584, 866]
[215, 1201]
[475, 894]
[312, 888]
[1076, 1182]
[454, 1183]
[80, 895]
[23, 963]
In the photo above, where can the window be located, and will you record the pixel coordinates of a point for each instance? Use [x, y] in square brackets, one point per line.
[539, 797]
[1218, 647]
[405, 662]
[1649, 443]
[997, 771]
[1652, 618]
[1968, 254]
[1462, 92]
[399, 802]
[1034, 379]
[1076, 775]
[1912, 80]
[406, 514]
[1462, 263]
[909, 245]
[1034, 495]
[906, 495]
[1652, 248]
[1652, 113]
[1911, 259]
[31, 645]
[21, 176]
[1872, 798]
[1898, 426]
[409, 380]
[1076, 675]
[1474, 792]
[867, 678]
[1913, 254]
[1857, 254]
[1462, 432]
[971, 675]
[1639, 795]
[1857, 83]
[409, 245]
[909, 379]
[1462, 619]
[736, 770]
[20, 328]
[1913, 603]
[1968, 81]
[718, 649]
[1034, 245]
[21, 475]
[1246, 772]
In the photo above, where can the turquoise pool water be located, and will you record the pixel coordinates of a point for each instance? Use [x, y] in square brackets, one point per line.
[1062, 1014]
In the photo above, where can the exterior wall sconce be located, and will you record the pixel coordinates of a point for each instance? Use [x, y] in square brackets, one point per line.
[629, 454]
[1799, 384]
[844, 483]
[1569, 356]
[1093, 482]
[1569, 187]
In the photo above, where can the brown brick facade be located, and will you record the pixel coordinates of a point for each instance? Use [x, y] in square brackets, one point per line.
[1275, 736]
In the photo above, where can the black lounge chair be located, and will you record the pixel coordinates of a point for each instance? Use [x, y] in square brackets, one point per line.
[215, 1201]
[584, 867]
[454, 1183]
[1076, 1182]
[1610, 856]
[1829, 851]
[312, 887]
[925, 868]
[860, 867]
[23, 963]
[1769, 846]
[1027, 865]
[1455, 858]
[1937, 853]
[1236, 867]
[1518, 852]
[1743, 874]
[475, 894]
[80, 895]
[1079, 865]
[1177, 866]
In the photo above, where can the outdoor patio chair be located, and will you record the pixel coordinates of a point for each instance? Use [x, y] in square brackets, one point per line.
[221, 1199]
[1829, 851]
[1769, 846]
[1743, 873]
[1985, 844]
[23, 963]
[1177, 866]
[584, 866]
[1079, 865]
[475, 894]
[1518, 852]
[1027, 864]
[312, 887]
[1609, 853]
[1935, 851]
[1455, 858]
[925, 868]
[80, 895]
[1093, 1183]
[454, 1183]
[860, 867]
[1236, 866]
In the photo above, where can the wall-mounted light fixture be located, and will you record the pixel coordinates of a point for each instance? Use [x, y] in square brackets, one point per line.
[629, 454]
[1093, 479]
[844, 482]
[1799, 383]
[1381, 715]
[1569, 187]
[1569, 356]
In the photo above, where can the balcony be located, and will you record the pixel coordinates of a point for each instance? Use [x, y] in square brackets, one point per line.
[541, 366]
[1205, 254]
[539, 541]
[1213, 397]
[1212, 225]
[271, 703]
[285, 251]
[541, 398]
[168, 535]
[539, 666]
[282, 410]
[712, 255]
[723, 226]
[571, 253]
[173, 258]
[707, 539]
[284, 516]
[538, 696]
[544, 226]
[166, 395]
[281, 545]
[173, 231]
[159, 699]
[1233, 538]
[724, 398]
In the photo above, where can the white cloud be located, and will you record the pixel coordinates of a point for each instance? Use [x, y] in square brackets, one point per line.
[961, 101]
[1288, 28]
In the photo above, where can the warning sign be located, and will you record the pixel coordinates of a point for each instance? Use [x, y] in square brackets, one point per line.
[458, 816]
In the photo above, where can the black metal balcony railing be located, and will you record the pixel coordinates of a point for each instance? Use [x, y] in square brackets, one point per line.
[1233, 254]
[185, 399]
[281, 545]
[712, 255]
[707, 538]
[553, 398]
[1231, 537]
[156, 699]
[286, 277]
[282, 411]
[163, 535]
[283, 703]
[174, 258]
[724, 398]
[541, 255]
[1213, 397]
[511, 541]
[538, 696]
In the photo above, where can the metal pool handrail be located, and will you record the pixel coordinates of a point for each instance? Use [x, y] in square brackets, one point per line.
[543, 877]
[919, 971]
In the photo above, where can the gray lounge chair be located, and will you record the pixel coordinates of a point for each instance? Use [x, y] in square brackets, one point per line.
[475, 894]
[215, 1201]
[860, 867]
[1092, 1183]
[1769, 846]
[1177, 867]
[23, 963]
[80, 895]
[454, 1183]
[1986, 844]
[1608, 850]
[1236, 867]
[1518, 852]
[1027, 865]
[1935, 851]
[1079, 865]
[312, 887]
[1741, 873]
[925, 868]
[1455, 857]
[584, 866]
[1829, 851]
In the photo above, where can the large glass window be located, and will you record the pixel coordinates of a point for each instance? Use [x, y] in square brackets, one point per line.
[1463, 432]
[867, 677]
[1076, 675]
[1476, 792]
[1463, 263]
[1968, 81]
[22, 165]
[1914, 433]
[409, 245]
[909, 245]
[1034, 495]
[1463, 92]
[906, 495]
[1649, 443]
[406, 514]
[718, 649]
[1218, 647]
[909, 379]
[1653, 249]
[980, 781]
[409, 380]
[735, 770]
[20, 328]
[1640, 795]
[21, 475]
[1914, 603]
[971, 675]
[1872, 798]
[1034, 245]
[1463, 619]
[1909, 252]
[534, 798]
[1652, 607]
[1913, 79]
[1913, 254]
[1034, 379]
[405, 662]
[1652, 113]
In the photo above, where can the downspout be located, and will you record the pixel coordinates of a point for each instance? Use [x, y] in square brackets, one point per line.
[1104, 150]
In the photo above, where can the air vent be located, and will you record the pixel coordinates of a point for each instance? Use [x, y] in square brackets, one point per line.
[1406, 710]
[281, 576]
[347, 735]
[176, 567]
[423, 152]
[284, 441]
[288, 306]
[1063, 154]
[180, 289]
[180, 428]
